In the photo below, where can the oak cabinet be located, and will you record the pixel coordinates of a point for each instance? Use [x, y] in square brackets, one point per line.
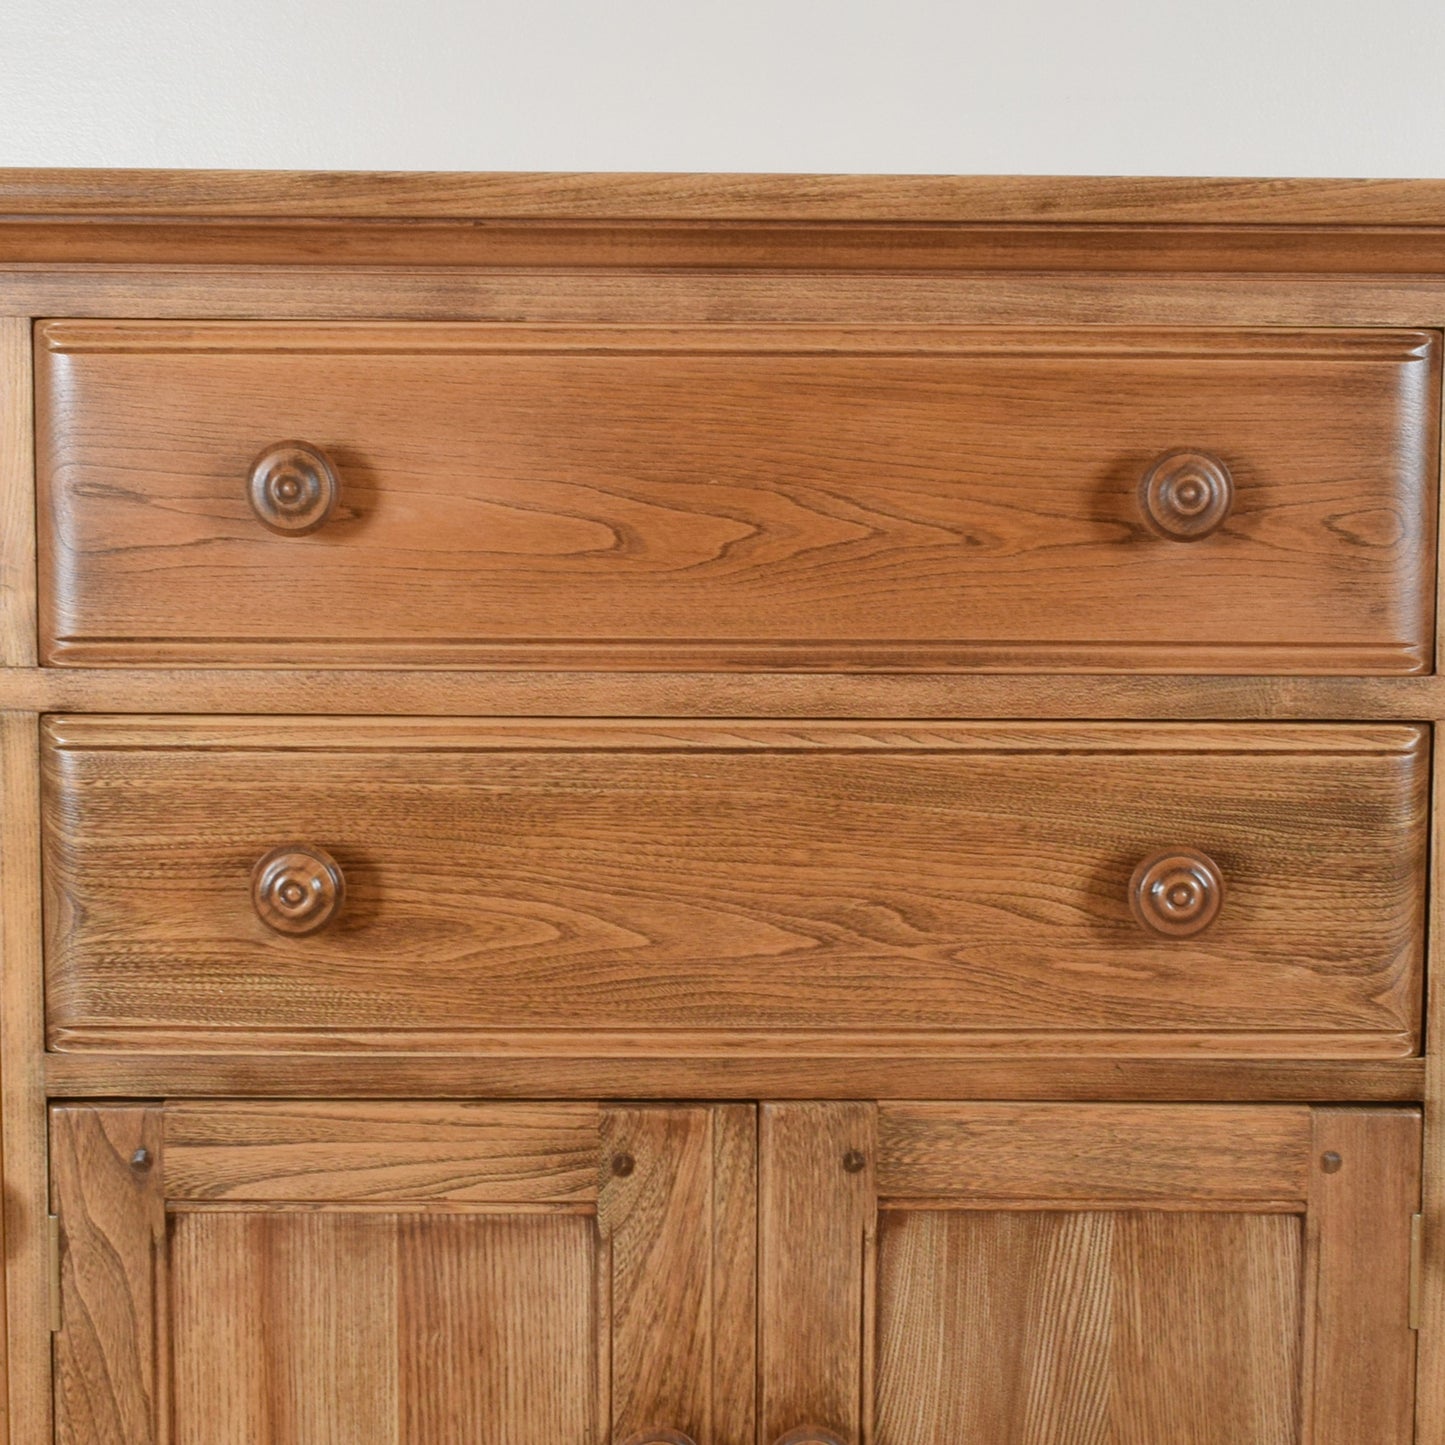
[720, 811]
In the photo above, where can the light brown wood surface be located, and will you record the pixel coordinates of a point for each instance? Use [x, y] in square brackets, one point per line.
[905, 246]
[692, 510]
[17, 495]
[606, 295]
[1099, 1201]
[241, 1274]
[22, 1072]
[1213, 1158]
[855, 1068]
[1361, 1368]
[958, 879]
[1068, 1328]
[1012, 1290]
[480, 1153]
[107, 1387]
[1431, 1283]
[780, 695]
[373, 1329]
[644, 196]
[816, 1166]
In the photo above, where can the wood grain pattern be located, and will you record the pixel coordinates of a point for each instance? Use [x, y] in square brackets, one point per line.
[342, 1268]
[815, 1225]
[362, 1329]
[1069, 1328]
[659, 195]
[655, 1211]
[1212, 1157]
[773, 695]
[482, 1153]
[106, 1189]
[1361, 1348]
[951, 879]
[1040, 1319]
[525, 295]
[17, 495]
[269, 1273]
[1430, 1407]
[22, 1036]
[692, 512]
[840, 246]
[734, 1303]
[864, 1070]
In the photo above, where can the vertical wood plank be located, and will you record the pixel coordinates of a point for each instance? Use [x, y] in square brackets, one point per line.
[1431, 1384]
[496, 1329]
[815, 1223]
[22, 1043]
[1207, 1333]
[993, 1326]
[1360, 1372]
[1051, 1327]
[735, 1273]
[17, 495]
[655, 1210]
[218, 1306]
[330, 1323]
[382, 1328]
[113, 1228]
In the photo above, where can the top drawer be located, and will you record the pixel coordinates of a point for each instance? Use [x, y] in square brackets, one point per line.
[882, 497]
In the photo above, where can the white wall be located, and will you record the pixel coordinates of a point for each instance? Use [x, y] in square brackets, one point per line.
[1222, 87]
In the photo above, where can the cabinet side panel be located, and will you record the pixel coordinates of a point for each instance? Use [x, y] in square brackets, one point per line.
[17, 495]
[22, 1040]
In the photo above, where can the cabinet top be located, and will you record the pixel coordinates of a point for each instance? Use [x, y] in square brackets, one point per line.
[716, 223]
[664, 196]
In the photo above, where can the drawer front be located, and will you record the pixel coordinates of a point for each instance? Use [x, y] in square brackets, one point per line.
[677, 883]
[816, 497]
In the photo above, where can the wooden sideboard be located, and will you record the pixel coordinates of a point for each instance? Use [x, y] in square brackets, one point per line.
[720, 810]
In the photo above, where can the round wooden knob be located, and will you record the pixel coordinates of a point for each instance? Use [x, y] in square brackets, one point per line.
[809, 1435]
[293, 488]
[661, 1437]
[1177, 893]
[297, 888]
[1186, 495]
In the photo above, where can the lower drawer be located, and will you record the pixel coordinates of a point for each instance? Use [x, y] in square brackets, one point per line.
[453, 884]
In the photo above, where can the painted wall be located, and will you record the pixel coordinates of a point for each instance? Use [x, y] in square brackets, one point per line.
[1242, 87]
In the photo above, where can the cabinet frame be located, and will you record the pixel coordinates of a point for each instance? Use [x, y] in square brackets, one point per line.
[194, 246]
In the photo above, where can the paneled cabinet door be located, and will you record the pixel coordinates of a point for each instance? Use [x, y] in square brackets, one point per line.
[404, 1274]
[1023, 1274]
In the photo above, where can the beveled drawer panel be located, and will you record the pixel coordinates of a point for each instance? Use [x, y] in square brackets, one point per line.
[720, 496]
[666, 885]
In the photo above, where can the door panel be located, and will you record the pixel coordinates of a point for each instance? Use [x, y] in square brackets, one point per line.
[1071, 1274]
[1045, 1326]
[344, 1328]
[397, 1274]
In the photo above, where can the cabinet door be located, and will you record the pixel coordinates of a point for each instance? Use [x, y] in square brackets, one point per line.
[1086, 1274]
[404, 1274]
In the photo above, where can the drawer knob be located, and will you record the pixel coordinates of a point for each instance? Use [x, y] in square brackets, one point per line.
[1186, 495]
[293, 488]
[297, 888]
[809, 1435]
[661, 1437]
[1177, 893]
